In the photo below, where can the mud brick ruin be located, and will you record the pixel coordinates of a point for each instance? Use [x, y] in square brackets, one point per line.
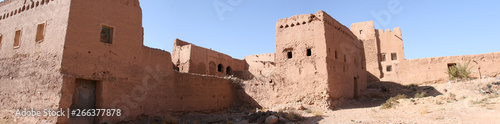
[90, 54]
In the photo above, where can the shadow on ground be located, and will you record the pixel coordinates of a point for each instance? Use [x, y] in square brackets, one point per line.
[377, 93]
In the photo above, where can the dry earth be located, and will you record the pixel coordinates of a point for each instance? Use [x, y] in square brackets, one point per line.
[460, 102]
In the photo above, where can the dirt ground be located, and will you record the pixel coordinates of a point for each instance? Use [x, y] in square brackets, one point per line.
[453, 102]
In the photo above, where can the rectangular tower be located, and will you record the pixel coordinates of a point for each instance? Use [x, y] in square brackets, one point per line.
[315, 54]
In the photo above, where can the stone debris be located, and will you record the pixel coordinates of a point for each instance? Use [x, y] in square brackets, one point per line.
[493, 88]
[270, 117]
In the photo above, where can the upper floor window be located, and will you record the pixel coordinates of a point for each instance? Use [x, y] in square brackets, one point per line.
[336, 54]
[360, 31]
[1, 40]
[40, 32]
[382, 57]
[394, 56]
[309, 52]
[388, 68]
[289, 54]
[107, 34]
[17, 39]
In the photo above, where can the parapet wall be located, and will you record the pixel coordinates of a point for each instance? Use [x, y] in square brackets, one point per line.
[433, 70]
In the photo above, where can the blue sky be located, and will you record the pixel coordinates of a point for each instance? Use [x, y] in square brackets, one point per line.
[247, 27]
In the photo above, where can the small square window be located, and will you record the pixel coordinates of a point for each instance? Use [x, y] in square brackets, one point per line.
[394, 56]
[289, 54]
[360, 31]
[107, 34]
[336, 55]
[382, 57]
[17, 38]
[389, 68]
[40, 32]
[309, 52]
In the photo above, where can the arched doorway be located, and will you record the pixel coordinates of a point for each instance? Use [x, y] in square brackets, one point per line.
[229, 71]
[220, 68]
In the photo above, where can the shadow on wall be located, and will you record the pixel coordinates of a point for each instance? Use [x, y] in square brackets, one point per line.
[378, 92]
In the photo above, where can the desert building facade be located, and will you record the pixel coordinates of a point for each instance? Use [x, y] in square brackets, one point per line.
[90, 54]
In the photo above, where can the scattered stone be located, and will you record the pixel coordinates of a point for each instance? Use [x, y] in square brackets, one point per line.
[283, 120]
[445, 90]
[272, 120]
[300, 107]
[261, 120]
[253, 118]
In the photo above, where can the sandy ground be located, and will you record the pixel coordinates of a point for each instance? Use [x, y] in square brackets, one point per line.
[452, 103]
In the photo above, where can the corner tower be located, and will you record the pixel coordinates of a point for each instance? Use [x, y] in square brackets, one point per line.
[384, 50]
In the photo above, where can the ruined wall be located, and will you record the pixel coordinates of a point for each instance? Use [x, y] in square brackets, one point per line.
[345, 59]
[261, 65]
[433, 70]
[29, 73]
[204, 61]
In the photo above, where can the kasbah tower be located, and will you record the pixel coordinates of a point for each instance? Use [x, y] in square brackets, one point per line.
[89, 54]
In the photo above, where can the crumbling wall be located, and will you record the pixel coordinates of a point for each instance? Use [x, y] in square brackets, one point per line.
[259, 66]
[433, 70]
[300, 77]
[29, 72]
[204, 61]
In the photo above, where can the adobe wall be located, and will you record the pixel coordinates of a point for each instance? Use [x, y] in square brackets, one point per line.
[433, 70]
[29, 74]
[261, 65]
[378, 43]
[139, 80]
[203, 61]
[365, 31]
[391, 42]
[345, 59]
